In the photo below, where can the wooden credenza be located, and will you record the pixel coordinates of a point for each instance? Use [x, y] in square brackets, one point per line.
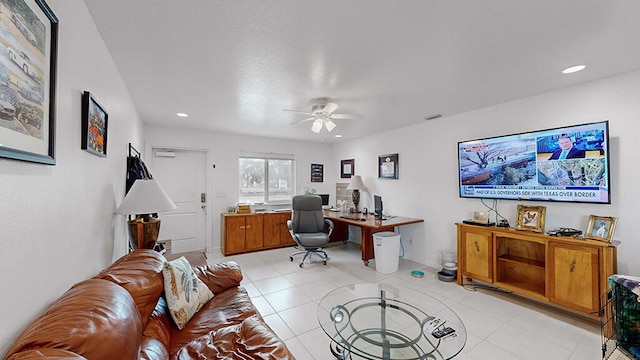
[242, 233]
[564, 271]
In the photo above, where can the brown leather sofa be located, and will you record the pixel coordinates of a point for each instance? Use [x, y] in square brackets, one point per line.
[121, 314]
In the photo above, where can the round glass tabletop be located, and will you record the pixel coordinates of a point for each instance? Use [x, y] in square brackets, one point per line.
[384, 321]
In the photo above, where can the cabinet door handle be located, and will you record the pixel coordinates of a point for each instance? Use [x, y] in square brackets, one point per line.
[242, 226]
[248, 227]
[572, 266]
[477, 247]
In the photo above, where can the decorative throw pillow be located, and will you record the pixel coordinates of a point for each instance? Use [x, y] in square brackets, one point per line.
[185, 293]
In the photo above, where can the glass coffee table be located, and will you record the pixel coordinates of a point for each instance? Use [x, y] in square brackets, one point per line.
[383, 321]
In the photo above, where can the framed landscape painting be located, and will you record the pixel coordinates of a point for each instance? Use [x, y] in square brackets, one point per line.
[29, 35]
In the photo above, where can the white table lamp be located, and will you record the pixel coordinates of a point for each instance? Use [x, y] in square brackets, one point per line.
[356, 184]
[144, 198]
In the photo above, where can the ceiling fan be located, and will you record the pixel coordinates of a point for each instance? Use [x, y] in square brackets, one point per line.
[322, 113]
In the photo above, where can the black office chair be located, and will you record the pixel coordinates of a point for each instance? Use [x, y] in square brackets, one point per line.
[307, 226]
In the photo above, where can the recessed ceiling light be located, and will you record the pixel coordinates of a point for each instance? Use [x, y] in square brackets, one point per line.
[182, 114]
[338, 136]
[573, 69]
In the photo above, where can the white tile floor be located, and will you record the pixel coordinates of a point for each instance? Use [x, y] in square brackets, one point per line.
[499, 326]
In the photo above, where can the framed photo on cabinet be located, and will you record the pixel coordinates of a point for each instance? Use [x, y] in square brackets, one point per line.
[531, 218]
[601, 227]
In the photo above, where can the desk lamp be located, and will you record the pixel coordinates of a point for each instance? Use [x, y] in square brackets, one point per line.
[144, 198]
[356, 184]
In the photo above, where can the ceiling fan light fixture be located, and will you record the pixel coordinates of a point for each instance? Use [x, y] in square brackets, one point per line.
[317, 126]
[330, 125]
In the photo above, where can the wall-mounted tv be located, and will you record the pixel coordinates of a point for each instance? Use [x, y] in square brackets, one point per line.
[568, 163]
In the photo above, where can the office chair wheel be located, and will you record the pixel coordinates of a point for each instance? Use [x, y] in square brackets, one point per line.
[301, 265]
[291, 258]
[325, 262]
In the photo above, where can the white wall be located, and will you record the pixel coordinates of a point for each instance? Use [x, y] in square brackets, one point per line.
[427, 187]
[223, 150]
[56, 222]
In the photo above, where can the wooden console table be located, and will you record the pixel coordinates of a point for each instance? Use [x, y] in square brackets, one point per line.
[564, 271]
[368, 227]
[243, 233]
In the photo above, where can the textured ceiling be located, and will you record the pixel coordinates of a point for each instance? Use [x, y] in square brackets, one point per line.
[234, 65]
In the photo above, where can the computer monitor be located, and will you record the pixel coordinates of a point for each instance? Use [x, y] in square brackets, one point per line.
[325, 199]
[377, 205]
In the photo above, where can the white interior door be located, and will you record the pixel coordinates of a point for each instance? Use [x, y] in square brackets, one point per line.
[182, 174]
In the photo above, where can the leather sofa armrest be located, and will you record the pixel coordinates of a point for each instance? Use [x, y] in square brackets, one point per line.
[219, 277]
[46, 353]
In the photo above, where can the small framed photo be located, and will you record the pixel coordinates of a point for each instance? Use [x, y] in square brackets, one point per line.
[388, 166]
[317, 172]
[601, 227]
[347, 168]
[531, 218]
[480, 217]
[94, 126]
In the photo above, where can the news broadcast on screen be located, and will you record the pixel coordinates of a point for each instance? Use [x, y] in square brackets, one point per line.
[568, 163]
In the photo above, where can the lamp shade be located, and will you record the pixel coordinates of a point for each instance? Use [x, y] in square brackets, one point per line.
[146, 196]
[356, 183]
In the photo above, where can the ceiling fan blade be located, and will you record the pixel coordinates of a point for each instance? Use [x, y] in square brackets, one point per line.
[298, 112]
[304, 120]
[346, 116]
[330, 107]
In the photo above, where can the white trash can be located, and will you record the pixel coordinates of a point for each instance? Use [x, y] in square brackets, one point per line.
[386, 248]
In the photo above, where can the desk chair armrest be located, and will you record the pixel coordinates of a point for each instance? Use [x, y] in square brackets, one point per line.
[330, 224]
[290, 226]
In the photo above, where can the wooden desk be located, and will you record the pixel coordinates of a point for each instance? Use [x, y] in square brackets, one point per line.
[368, 227]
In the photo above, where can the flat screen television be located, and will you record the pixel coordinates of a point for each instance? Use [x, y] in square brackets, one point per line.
[568, 163]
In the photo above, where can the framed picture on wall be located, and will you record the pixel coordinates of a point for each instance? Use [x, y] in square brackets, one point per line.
[317, 172]
[94, 126]
[347, 168]
[29, 37]
[388, 166]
